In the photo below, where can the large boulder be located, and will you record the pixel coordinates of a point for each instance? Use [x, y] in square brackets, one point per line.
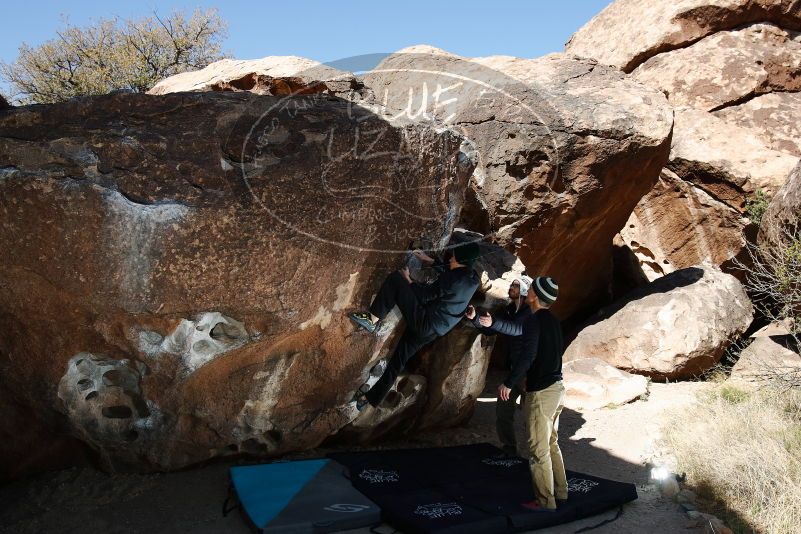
[592, 383]
[773, 116]
[677, 225]
[781, 220]
[567, 148]
[628, 32]
[727, 68]
[271, 75]
[675, 327]
[739, 60]
[179, 267]
[768, 359]
[696, 213]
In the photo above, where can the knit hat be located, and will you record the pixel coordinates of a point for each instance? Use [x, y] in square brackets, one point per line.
[524, 282]
[467, 253]
[546, 289]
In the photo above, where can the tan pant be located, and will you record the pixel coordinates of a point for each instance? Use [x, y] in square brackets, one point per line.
[547, 467]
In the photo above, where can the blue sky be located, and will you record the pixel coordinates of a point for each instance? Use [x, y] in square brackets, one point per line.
[328, 31]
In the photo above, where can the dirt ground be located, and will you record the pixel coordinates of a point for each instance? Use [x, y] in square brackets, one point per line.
[613, 443]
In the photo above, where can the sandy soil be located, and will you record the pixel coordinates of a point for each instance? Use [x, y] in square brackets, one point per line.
[612, 442]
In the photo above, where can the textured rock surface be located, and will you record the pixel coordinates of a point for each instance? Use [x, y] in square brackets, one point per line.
[592, 383]
[628, 32]
[567, 148]
[176, 289]
[774, 117]
[727, 68]
[675, 327]
[272, 75]
[741, 60]
[780, 221]
[695, 213]
[728, 162]
[766, 357]
[677, 225]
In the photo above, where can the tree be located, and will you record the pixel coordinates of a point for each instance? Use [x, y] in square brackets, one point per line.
[773, 281]
[112, 54]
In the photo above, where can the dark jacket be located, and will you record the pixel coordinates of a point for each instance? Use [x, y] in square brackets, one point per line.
[447, 298]
[541, 351]
[508, 322]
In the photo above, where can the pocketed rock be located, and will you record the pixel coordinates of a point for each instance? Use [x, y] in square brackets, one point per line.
[191, 258]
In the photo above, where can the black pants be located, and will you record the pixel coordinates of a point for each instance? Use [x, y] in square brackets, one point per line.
[397, 291]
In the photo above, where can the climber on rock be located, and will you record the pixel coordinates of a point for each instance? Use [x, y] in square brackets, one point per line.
[430, 311]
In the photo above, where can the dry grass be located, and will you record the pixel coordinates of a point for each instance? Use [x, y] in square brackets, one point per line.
[742, 450]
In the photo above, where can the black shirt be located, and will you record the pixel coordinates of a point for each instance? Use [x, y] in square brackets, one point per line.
[540, 353]
[446, 299]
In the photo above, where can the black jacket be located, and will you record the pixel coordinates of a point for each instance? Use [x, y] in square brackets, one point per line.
[541, 351]
[508, 322]
[447, 298]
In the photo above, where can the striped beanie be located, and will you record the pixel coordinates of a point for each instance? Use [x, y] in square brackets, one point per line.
[546, 289]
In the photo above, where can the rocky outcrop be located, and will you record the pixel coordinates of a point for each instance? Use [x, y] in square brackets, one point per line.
[740, 60]
[179, 267]
[271, 75]
[567, 148]
[675, 327]
[592, 384]
[780, 222]
[767, 358]
[727, 68]
[728, 162]
[696, 212]
[774, 117]
[629, 32]
[677, 225]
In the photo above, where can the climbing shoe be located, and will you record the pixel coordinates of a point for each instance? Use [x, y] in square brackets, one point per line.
[379, 368]
[363, 320]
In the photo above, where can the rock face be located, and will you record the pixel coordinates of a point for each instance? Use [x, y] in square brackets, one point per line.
[740, 60]
[766, 358]
[783, 213]
[176, 289]
[628, 32]
[675, 327]
[696, 212]
[592, 384]
[728, 162]
[727, 67]
[657, 231]
[774, 117]
[272, 75]
[567, 148]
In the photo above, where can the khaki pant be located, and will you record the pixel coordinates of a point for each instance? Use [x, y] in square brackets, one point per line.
[505, 421]
[547, 467]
